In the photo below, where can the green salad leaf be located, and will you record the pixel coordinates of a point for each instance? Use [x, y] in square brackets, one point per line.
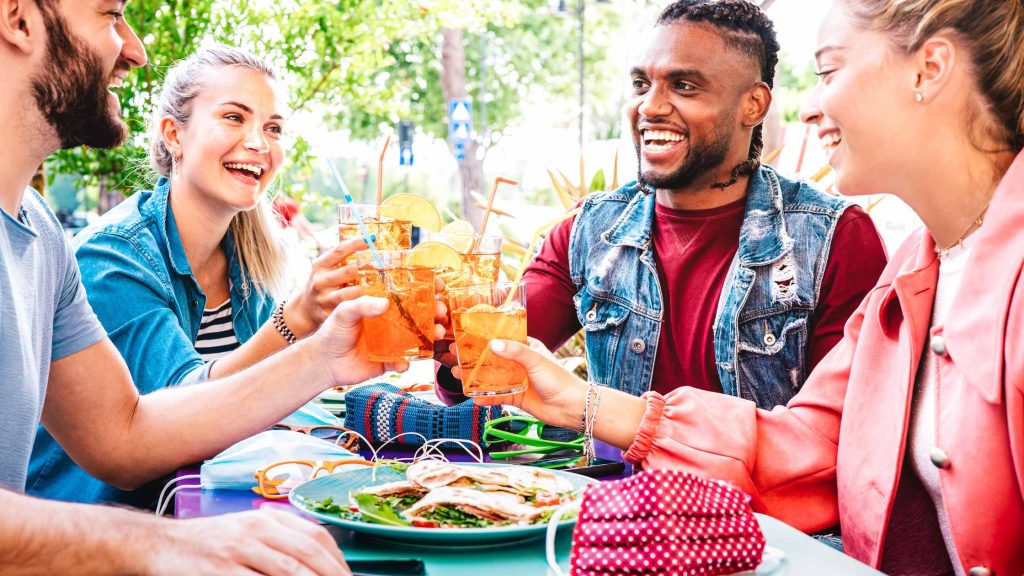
[327, 506]
[378, 510]
[448, 516]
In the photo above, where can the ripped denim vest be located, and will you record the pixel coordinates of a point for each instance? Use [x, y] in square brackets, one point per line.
[761, 323]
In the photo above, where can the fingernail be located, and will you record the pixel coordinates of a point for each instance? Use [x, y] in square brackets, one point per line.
[497, 346]
[377, 304]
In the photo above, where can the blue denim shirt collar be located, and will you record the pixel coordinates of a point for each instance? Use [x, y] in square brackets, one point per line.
[763, 237]
[159, 208]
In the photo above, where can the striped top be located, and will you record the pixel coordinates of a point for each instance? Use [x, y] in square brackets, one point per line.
[216, 333]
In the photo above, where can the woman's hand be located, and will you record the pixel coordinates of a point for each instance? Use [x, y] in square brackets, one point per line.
[342, 348]
[555, 395]
[329, 284]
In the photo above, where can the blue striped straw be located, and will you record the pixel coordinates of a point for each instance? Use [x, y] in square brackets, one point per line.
[367, 237]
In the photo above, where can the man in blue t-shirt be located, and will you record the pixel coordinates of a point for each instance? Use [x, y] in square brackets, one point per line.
[59, 58]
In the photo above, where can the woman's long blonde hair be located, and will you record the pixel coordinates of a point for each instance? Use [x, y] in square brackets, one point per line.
[993, 31]
[258, 245]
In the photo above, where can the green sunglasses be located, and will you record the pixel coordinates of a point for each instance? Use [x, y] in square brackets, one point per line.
[537, 436]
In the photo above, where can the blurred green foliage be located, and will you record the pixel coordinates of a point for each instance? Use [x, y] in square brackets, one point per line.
[362, 65]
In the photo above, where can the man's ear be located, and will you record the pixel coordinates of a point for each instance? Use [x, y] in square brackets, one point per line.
[755, 104]
[20, 22]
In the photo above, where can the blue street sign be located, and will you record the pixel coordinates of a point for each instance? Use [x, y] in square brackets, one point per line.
[405, 156]
[460, 110]
[460, 131]
[460, 126]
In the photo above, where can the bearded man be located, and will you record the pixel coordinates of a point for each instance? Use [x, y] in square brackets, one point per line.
[60, 59]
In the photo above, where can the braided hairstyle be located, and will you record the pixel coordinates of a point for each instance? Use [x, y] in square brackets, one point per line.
[746, 28]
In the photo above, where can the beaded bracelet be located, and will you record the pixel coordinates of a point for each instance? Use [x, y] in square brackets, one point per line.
[586, 411]
[279, 324]
[587, 422]
[589, 442]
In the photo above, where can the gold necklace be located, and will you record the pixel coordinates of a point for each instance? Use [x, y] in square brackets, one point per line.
[943, 252]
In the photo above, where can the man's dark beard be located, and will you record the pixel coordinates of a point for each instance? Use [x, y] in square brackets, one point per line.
[71, 91]
[703, 156]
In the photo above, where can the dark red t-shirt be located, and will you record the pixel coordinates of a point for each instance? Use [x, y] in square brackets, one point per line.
[694, 249]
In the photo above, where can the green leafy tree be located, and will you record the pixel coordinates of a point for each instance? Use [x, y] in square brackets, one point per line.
[330, 55]
[499, 54]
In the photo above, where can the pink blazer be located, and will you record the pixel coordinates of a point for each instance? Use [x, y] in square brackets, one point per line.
[835, 453]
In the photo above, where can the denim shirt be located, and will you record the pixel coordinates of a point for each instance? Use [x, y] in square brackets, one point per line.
[761, 322]
[139, 283]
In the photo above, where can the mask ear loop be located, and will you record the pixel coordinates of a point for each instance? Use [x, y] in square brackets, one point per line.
[552, 532]
[375, 451]
[433, 447]
[161, 505]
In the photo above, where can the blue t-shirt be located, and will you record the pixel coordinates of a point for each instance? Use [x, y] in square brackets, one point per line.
[44, 316]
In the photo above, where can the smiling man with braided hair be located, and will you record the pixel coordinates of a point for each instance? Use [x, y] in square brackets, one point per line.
[710, 270]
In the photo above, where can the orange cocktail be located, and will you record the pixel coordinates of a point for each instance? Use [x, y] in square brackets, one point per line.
[460, 260]
[406, 330]
[391, 233]
[480, 314]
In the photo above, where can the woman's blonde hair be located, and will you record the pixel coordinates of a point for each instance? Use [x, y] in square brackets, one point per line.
[257, 242]
[993, 31]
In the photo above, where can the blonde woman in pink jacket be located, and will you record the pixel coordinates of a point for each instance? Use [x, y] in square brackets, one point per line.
[910, 434]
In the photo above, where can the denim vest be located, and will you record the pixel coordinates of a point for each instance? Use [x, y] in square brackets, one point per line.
[761, 323]
[139, 283]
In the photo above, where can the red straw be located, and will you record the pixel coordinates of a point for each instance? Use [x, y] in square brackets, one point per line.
[380, 173]
[490, 206]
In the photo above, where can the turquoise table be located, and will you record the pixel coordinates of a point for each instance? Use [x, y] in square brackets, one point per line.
[803, 555]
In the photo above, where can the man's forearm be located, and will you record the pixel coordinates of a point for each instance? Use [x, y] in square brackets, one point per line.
[201, 421]
[44, 537]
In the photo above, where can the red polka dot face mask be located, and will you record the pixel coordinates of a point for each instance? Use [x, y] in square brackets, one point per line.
[667, 523]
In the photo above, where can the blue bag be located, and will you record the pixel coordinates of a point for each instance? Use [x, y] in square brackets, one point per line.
[382, 411]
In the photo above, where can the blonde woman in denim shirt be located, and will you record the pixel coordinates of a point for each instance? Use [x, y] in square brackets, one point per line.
[203, 239]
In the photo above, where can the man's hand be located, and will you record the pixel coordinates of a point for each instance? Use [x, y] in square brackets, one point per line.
[341, 345]
[257, 542]
[329, 284]
[554, 395]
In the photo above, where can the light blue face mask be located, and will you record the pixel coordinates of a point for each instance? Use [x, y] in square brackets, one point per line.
[235, 468]
[311, 415]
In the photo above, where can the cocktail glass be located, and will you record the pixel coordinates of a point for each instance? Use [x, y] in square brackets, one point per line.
[481, 259]
[392, 234]
[480, 314]
[479, 263]
[406, 330]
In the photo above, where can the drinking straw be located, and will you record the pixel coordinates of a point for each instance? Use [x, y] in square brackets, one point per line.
[583, 177]
[489, 209]
[367, 237]
[524, 262]
[380, 173]
[615, 171]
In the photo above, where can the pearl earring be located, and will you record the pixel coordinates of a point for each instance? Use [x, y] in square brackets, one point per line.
[919, 97]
